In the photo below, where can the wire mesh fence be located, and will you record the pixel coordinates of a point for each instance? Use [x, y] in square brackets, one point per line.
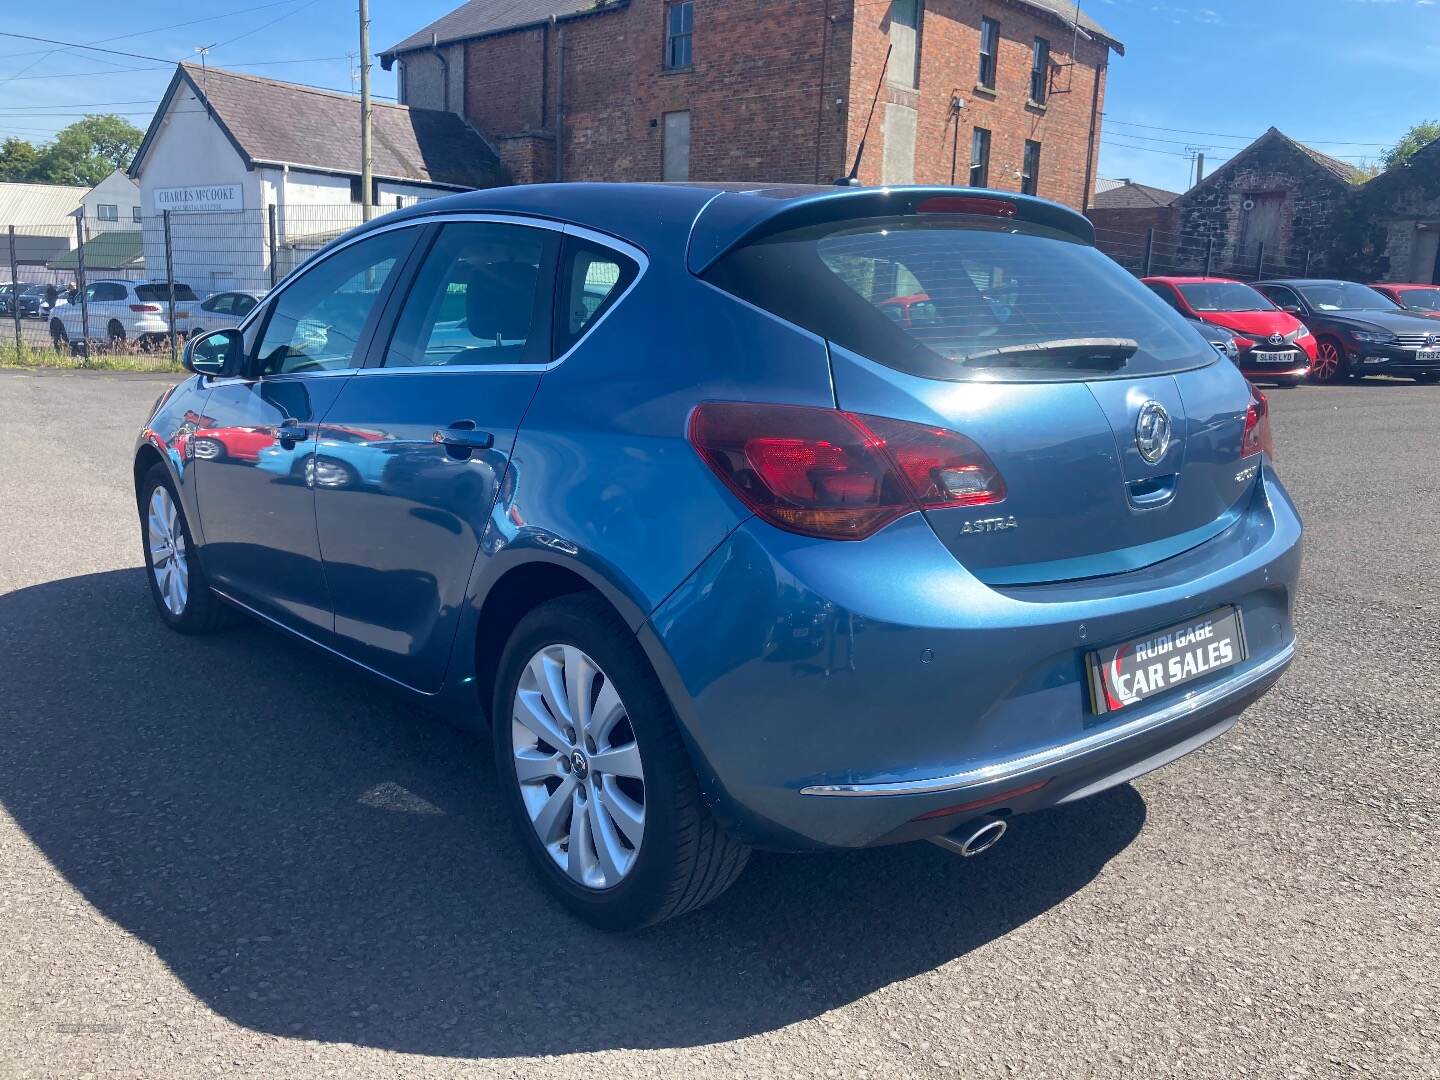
[89, 287]
[1153, 252]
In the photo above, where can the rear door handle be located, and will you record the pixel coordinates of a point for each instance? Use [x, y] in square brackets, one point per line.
[464, 434]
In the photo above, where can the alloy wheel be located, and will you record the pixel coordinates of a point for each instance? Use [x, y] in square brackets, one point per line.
[166, 539]
[1327, 361]
[578, 766]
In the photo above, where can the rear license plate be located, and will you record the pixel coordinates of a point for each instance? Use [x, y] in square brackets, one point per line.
[1428, 356]
[1126, 674]
[1272, 357]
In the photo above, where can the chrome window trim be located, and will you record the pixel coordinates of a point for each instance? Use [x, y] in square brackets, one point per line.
[621, 247]
[1065, 752]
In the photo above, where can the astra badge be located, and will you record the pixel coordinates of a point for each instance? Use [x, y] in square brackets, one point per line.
[989, 525]
[1152, 432]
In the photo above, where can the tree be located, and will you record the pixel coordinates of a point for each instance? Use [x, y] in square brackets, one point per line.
[19, 161]
[89, 150]
[1417, 138]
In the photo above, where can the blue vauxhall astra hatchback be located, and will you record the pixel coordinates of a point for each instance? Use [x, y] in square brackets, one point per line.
[793, 518]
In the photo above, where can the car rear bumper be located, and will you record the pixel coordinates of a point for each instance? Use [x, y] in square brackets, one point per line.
[847, 695]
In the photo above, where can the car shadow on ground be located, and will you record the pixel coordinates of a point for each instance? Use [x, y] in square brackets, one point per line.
[314, 858]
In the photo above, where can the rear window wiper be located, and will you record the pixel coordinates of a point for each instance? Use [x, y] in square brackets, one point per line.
[1089, 354]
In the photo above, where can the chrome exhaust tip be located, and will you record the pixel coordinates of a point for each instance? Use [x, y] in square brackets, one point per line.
[973, 837]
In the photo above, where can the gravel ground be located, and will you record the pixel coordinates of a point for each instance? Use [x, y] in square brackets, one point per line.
[232, 856]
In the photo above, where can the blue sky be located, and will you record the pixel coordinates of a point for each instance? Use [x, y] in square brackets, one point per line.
[1348, 76]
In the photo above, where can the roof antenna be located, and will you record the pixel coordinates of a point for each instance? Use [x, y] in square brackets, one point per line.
[204, 51]
[853, 178]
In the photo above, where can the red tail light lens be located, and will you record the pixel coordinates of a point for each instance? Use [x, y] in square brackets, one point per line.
[838, 475]
[149, 309]
[1257, 438]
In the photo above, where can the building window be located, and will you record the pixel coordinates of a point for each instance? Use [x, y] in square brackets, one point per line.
[989, 50]
[1040, 71]
[107, 212]
[135, 214]
[400, 82]
[980, 158]
[1030, 169]
[355, 190]
[679, 27]
[904, 67]
[676, 151]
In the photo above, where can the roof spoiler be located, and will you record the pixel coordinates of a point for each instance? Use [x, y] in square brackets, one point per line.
[734, 219]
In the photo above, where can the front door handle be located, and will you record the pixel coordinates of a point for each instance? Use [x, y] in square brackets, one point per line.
[291, 431]
[464, 435]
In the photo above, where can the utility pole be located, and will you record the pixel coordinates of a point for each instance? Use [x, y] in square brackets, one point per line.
[1197, 155]
[366, 183]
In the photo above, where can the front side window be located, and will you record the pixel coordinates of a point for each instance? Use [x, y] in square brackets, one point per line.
[1164, 293]
[904, 67]
[1030, 169]
[675, 154]
[1005, 300]
[592, 280]
[1282, 297]
[1345, 296]
[679, 29]
[105, 292]
[319, 321]
[475, 299]
[980, 158]
[244, 304]
[989, 50]
[1224, 296]
[1040, 71]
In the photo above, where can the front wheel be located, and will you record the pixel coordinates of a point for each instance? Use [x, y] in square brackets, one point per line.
[1330, 365]
[177, 580]
[594, 773]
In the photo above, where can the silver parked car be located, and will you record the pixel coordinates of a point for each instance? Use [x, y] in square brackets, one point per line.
[222, 310]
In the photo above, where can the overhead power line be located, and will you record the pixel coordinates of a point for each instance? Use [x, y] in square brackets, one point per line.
[1247, 139]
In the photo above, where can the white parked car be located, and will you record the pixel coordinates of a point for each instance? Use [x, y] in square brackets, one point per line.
[224, 309]
[117, 311]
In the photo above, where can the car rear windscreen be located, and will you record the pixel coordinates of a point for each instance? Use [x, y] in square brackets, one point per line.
[964, 297]
[161, 293]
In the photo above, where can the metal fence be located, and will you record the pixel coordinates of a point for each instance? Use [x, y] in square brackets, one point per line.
[1167, 253]
[211, 253]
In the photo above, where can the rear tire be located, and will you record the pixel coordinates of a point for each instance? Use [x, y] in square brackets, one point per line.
[683, 859]
[179, 587]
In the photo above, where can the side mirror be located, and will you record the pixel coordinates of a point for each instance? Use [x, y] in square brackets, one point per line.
[1292, 309]
[216, 353]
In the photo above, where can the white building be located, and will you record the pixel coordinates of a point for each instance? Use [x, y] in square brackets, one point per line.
[112, 204]
[226, 154]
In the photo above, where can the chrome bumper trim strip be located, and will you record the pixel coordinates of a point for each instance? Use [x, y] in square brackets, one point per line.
[1054, 755]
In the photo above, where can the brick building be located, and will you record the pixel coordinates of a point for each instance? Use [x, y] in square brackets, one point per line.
[1002, 93]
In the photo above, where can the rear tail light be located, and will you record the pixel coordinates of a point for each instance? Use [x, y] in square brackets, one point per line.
[146, 309]
[1257, 438]
[838, 475]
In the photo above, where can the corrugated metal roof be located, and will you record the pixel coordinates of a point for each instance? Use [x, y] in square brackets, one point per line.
[32, 205]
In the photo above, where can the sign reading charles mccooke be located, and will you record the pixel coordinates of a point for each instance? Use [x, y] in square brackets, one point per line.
[201, 198]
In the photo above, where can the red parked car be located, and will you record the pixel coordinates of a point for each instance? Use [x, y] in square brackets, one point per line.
[1274, 346]
[1416, 299]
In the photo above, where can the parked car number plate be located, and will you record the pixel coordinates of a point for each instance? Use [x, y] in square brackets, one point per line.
[1428, 356]
[1273, 357]
[1126, 674]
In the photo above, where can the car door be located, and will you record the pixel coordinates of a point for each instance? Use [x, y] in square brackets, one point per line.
[409, 460]
[257, 508]
[106, 305]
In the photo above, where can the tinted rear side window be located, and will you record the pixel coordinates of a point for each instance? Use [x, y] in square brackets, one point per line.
[964, 298]
[159, 293]
[592, 280]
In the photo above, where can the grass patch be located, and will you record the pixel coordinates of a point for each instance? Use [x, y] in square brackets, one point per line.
[100, 359]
